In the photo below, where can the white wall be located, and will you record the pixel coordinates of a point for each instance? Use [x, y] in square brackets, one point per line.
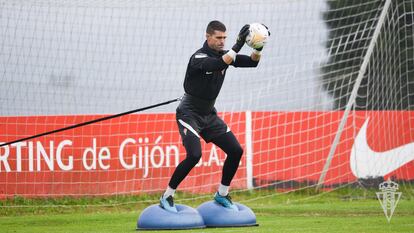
[78, 57]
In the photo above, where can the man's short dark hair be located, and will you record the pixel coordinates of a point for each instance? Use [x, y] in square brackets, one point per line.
[215, 25]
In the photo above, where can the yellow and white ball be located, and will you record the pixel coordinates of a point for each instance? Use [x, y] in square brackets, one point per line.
[258, 35]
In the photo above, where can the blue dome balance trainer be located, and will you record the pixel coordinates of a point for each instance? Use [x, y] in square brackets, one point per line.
[215, 215]
[156, 218]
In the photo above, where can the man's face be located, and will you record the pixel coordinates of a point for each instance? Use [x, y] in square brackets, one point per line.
[216, 40]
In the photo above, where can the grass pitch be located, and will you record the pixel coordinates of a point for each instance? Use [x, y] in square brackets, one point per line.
[295, 212]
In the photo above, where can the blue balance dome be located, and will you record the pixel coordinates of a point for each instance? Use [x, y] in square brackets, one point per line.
[156, 218]
[215, 215]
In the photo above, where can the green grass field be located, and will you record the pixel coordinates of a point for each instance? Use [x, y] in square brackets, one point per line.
[294, 212]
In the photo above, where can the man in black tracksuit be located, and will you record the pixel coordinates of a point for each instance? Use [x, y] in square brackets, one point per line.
[196, 115]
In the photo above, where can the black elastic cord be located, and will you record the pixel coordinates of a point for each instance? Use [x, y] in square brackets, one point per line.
[91, 122]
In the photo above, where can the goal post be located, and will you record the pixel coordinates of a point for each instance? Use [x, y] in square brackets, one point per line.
[355, 89]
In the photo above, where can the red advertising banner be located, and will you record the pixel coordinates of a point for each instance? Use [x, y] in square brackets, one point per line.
[291, 148]
[130, 154]
[138, 153]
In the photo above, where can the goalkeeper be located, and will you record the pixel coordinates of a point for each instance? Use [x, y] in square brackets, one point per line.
[196, 116]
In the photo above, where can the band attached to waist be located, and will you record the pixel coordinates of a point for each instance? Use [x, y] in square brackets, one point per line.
[196, 104]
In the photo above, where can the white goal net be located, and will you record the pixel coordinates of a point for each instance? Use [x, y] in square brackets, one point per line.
[329, 105]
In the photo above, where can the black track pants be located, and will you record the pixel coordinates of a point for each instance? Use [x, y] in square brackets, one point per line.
[227, 142]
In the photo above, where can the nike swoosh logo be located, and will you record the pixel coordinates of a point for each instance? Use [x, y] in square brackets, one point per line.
[368, 163]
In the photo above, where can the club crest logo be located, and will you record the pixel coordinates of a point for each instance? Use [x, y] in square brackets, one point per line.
[388, 197]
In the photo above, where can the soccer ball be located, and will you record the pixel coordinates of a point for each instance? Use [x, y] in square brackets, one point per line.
[258, 35]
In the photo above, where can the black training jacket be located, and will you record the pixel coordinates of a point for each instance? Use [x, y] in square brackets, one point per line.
[206, 71]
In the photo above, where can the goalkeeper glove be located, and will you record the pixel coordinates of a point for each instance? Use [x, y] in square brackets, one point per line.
[241, 38]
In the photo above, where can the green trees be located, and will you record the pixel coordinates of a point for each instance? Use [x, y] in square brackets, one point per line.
[388, 82]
